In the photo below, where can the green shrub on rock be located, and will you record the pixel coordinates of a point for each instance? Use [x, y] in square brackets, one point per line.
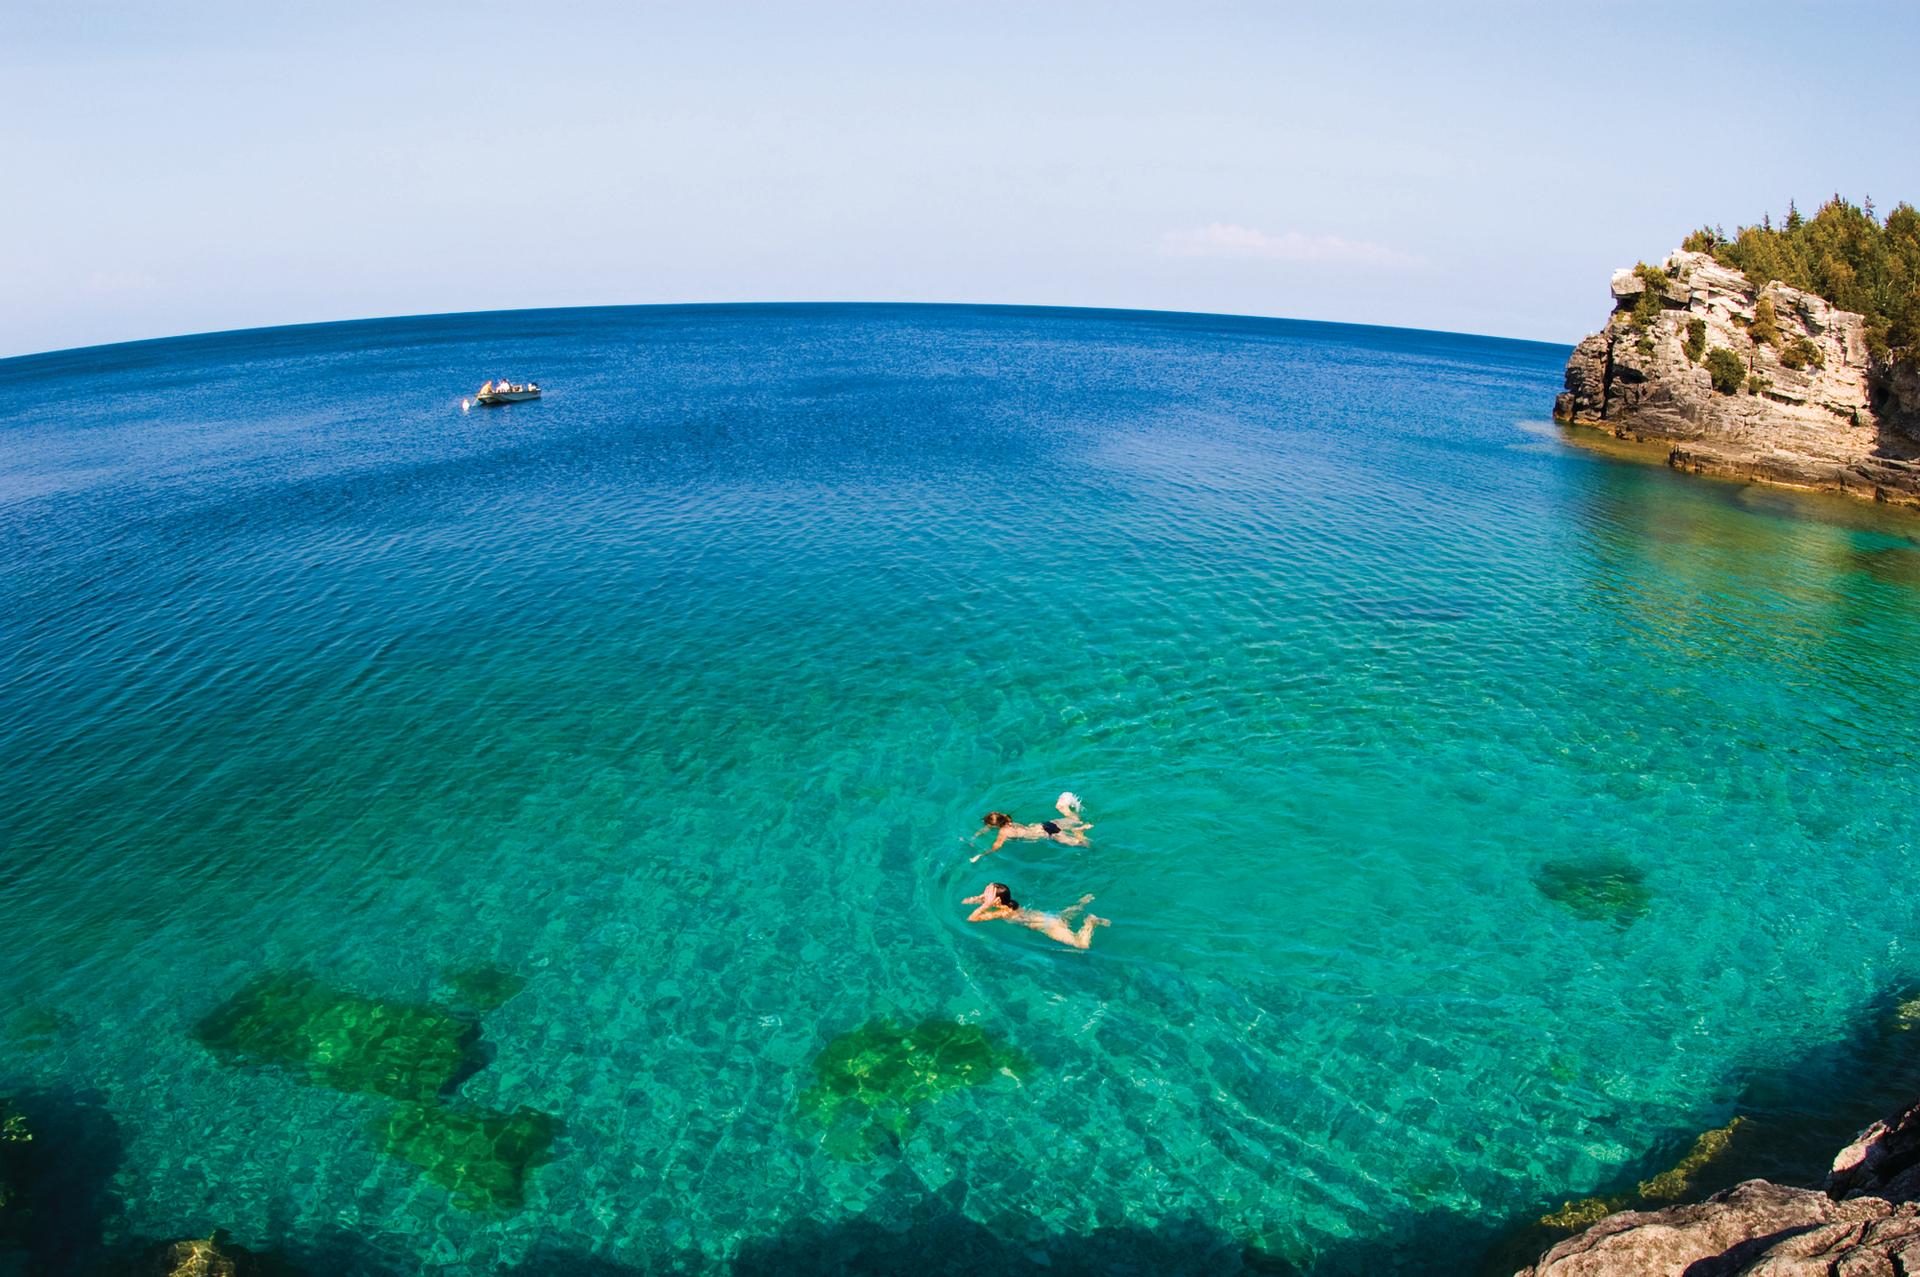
[1766, 322]
[1758, 385]
[1801, 353]
[1696, 343]
[1727, 369]
[1646, 310]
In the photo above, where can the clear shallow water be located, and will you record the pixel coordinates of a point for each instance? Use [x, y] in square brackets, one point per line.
[677, 694]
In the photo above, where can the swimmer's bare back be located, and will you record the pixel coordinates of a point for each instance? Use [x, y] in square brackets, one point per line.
[1069, 830]
[1000, 906]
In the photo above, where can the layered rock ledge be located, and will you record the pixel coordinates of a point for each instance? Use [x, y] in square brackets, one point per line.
[1866, 1223]
[1805, 406]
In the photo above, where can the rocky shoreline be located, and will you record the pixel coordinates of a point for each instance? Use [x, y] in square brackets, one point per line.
[1866, 1221]
[1771, 384]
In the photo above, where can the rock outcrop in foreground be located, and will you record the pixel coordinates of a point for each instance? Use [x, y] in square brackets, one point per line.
[1866, 1224]
[1798, 402]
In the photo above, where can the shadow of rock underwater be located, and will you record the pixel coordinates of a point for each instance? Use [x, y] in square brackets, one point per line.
[65, 1198]
[1792, 1119]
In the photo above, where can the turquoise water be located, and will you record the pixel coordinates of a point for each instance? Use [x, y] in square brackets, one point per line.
[669, 703]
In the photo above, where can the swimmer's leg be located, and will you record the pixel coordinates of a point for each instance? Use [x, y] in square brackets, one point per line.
[1050, 926]
[1083, 938]
[1075, 907]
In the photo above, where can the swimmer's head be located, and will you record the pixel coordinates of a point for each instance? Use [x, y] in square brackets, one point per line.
[998, 893]
[996, 819]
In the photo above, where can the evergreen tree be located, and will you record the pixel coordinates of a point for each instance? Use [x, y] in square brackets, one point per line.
[1846, 255]
[1766, 322]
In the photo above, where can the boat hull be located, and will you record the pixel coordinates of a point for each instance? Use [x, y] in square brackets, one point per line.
[510, 396]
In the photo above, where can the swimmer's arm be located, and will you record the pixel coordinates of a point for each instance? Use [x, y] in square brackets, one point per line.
[986, 912]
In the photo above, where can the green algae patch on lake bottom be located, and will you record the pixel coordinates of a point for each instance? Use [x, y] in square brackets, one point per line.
[870, 1080]
[1605, 890]
[1671, 1185]
[322, 1036]
[482, 1156]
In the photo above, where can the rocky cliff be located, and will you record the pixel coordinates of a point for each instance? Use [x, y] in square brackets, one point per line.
[1768, 383]
[1866, 1222]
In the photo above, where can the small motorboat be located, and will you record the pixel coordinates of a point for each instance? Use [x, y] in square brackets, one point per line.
[499, 392]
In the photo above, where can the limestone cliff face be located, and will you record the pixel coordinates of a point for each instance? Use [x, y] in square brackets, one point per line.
[1837, 422]
[1867, 1222]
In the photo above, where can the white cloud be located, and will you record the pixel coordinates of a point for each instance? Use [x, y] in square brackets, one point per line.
[1222, 239]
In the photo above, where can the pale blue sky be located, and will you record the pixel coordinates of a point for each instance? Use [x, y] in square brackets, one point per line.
[183, 167]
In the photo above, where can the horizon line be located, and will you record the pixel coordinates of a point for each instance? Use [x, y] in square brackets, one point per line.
[721, 305]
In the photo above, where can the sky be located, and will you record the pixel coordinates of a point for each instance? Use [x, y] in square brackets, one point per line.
[188, 167]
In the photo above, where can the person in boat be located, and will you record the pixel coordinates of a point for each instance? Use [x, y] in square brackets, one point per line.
[486, 387]
[996, 904]
[1070, 830]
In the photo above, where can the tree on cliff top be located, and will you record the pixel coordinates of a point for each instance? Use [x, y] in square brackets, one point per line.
[1841, 253]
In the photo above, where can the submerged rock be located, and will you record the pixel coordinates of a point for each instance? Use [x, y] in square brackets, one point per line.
[415, 1052]
[323, 1036]
[870, 1080]
[215, 1256]
[1669, 1185]
[14, 1153]
[1905, 1016]
[482, 1156]
[1678, 1180]
[1604, 890]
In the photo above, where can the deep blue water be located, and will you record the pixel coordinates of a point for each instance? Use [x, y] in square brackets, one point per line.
[1479, 818]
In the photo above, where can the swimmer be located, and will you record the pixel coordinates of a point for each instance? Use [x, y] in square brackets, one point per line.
[1070, 830]
[996, 903]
